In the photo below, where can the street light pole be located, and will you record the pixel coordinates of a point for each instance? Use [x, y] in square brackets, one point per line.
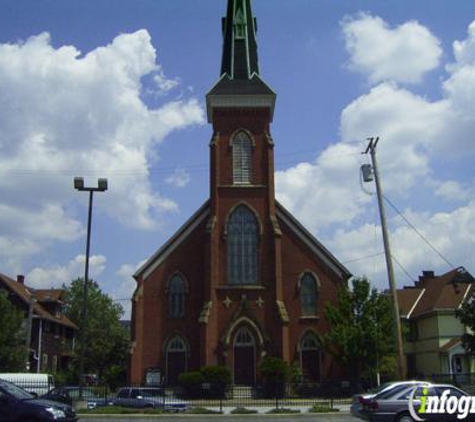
[101, 187]
[373, 142]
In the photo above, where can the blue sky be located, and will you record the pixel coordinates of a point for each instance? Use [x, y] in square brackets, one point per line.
[116, 89]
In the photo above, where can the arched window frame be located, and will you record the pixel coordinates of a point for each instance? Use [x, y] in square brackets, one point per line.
[242, 144]
[309, 291]
[177, 296]
[243, 246]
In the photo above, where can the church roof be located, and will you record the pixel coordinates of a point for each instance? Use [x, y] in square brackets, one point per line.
[323, 253]
[204, 211]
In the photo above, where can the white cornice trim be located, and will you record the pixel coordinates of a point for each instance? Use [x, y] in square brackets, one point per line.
[239, 101]
[415, 303]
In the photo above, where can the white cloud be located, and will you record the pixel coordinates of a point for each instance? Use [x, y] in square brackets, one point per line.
[417, 135]
[126, 287]
[65, 114]
[165, 85]
[464, 51]
[57, 275]
[402, 54]
[179, 179]
[452, 191]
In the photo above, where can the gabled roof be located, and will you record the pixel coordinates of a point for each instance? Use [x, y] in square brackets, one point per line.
[49, 295]
[431, 293]
[203, 212]
[25, 294]
[407, 299]
[180, 235]
[323, 253]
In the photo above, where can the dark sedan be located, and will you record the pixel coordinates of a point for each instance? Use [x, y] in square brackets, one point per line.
[17, 405]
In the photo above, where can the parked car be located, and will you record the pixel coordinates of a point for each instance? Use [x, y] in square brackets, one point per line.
[17, 405]
[394, 405]
[358, 399]
[148, 397]
[71, 394]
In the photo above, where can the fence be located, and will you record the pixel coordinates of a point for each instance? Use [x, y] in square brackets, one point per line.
[266, 395]
[208, 395]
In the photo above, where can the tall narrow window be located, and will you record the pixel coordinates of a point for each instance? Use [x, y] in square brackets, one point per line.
[176, 297]
[243, 243]
[242, 157]
[308, 295]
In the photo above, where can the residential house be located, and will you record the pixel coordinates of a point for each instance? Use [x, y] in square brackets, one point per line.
[433, 334]
[53, 334]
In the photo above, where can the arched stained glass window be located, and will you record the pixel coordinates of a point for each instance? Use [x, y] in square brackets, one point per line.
[308, 295]
[242, 158]
[243, 246]
[176, 297]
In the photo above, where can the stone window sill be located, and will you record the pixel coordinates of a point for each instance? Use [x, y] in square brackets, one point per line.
[241, 287]
[309, 318]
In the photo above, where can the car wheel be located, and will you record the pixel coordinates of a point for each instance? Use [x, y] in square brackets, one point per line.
[405, 418]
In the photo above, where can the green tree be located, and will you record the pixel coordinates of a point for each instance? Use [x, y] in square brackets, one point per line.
[107, 339]
[361, 334]
[466, 315]
[12, 336]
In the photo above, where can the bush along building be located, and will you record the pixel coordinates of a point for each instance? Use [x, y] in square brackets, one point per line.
[242, 279]
[51, 334]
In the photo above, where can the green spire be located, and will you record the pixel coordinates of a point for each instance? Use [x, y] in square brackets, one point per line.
[240, 46]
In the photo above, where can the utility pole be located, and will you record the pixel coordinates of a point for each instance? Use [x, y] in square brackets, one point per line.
[401, 364]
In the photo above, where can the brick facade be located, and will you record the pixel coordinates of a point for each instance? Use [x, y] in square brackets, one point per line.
[267, 314]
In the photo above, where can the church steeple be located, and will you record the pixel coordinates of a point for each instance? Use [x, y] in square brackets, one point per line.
[240, 46]
[240, 84]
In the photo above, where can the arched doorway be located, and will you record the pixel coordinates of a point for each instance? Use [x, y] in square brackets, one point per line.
[310, 356]
[176, 355]
[244, 357]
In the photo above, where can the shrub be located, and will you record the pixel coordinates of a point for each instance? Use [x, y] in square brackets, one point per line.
[283, 410]
[274, 370]
[191, 382]
[243, 411]
[218, 379]
[318, 408]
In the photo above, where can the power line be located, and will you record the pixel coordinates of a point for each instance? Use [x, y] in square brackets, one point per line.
[409, 276]
[363, 258]
[428, 243]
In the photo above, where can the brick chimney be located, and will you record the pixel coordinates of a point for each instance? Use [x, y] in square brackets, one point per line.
[20, 278]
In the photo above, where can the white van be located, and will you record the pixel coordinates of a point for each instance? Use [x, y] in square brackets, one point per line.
[34, 383]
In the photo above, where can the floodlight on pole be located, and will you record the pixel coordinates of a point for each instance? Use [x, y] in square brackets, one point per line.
[101, 187]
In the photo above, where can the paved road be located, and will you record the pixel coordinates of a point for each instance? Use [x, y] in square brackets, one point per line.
[230, 418]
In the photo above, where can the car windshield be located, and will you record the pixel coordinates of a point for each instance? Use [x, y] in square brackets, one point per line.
[152, 393]
[16, 391]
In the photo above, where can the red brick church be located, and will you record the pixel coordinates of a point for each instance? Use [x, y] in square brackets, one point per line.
[242, 278]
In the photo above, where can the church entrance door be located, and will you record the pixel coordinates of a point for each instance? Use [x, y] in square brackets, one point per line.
[244, 357]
